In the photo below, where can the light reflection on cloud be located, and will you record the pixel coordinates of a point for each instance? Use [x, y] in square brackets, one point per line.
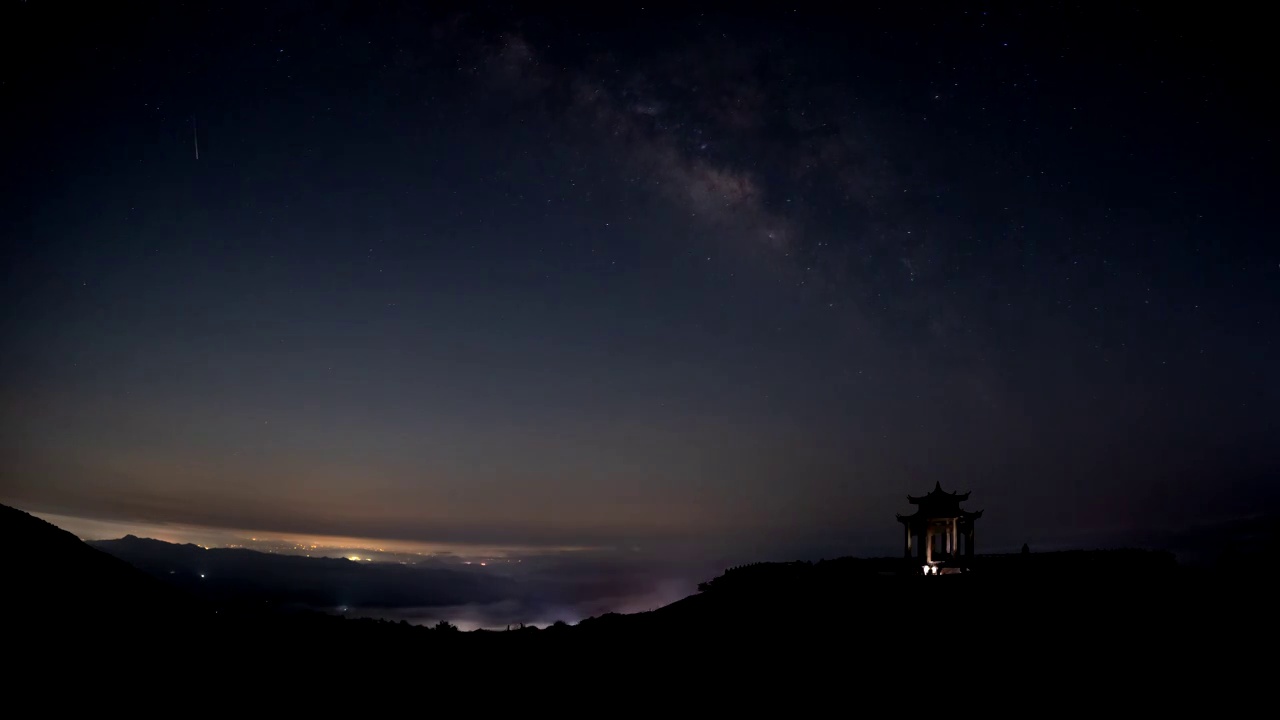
[512, 612]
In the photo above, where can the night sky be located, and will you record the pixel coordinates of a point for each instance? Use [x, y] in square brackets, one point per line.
[696, 282]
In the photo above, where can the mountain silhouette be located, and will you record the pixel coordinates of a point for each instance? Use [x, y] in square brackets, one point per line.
[1118, 618]
[236, 574]
[51, 574]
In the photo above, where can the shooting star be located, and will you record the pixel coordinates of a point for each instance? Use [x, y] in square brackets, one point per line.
[195, 135]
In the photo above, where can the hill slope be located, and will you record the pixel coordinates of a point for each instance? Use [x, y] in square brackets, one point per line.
[51, 575]
[1103, 618]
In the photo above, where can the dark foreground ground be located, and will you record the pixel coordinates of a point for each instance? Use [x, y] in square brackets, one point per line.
[1099, 628]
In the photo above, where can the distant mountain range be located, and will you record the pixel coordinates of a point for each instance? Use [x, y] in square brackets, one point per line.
[230, 574]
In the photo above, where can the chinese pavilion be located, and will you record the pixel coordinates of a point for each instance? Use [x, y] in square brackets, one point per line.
[935, 531]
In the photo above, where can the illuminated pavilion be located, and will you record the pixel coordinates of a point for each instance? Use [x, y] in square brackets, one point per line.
[935, 532]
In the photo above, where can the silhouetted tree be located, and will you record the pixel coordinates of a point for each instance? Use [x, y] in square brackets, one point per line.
[446, 626]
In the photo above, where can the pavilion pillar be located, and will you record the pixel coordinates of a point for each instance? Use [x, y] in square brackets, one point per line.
[906, 542]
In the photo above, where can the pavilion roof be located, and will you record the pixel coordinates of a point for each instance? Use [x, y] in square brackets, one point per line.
[938, 495]
[939, 504]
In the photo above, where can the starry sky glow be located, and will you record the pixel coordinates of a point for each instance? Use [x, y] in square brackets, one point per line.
[684, 280]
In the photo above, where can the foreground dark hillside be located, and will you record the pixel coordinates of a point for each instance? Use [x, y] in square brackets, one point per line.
[1106, 615]
[50, 574]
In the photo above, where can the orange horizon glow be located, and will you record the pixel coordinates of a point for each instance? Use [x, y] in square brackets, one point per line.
[341, 546]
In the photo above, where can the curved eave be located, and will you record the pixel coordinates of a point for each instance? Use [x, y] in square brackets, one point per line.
[938, 492]
[963, 515]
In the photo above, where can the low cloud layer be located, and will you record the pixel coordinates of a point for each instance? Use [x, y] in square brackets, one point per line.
[534, 589]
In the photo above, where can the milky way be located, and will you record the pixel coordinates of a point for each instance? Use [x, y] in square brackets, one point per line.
[661, 281]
